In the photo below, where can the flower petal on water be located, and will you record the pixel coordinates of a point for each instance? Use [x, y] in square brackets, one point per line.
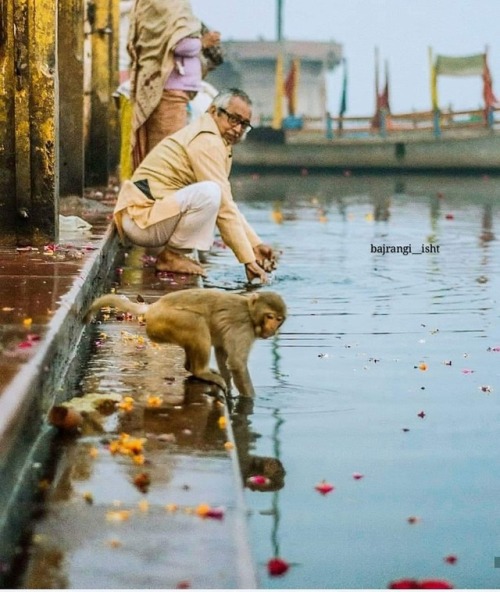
[323, 487]
[117, 515]
[277, 566]
[258, 480]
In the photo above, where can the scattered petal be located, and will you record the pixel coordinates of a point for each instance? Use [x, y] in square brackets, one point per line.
[423, 367]
[154, 401]
[467, 371]
[451, 559]
[143, 505]
[277, 566]
[217, 513]
[323, 487]
[495, 348]
[25, 345]
[413, 519]
[114, 543]
[222, 422]
[228, 445]
[207, 511]
[485, 388]
[421, 414]
[435, 585]
[410, 584]
[88, 497]
[142, 481]
[357, 476]
[406, 584]
[127, 404]
[258, 480]
[117, 515]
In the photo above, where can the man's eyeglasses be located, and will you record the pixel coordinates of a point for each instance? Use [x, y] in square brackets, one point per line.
[235, 120]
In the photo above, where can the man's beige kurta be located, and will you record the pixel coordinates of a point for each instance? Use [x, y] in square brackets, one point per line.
[195, 153]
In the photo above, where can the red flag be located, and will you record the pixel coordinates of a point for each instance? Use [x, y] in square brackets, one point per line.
[290, 87]
[489, 98]
[381, 98]
[384, 96]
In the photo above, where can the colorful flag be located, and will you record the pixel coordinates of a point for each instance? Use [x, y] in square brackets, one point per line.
[278, 95]
[343, 98]
[384, 96]
[459, 66]
[291, 86]
[381, 98]
[489, 98]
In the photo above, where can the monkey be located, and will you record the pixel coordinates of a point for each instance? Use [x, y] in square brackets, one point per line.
[198, 319]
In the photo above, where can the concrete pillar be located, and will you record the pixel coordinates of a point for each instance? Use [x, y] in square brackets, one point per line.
[71, 63]
[102, 153]
[29, 146]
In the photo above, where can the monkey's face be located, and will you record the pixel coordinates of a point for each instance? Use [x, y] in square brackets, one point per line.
[270, 323]
[268, 312]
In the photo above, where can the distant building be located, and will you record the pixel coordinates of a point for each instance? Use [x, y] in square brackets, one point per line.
[251, 66]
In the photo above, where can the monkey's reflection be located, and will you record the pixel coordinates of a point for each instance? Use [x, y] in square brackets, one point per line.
[194, 424]
[250, 464]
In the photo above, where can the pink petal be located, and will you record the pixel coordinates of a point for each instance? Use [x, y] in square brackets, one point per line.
[277, 566]
[217, 513]
[258, 480]
[25, 345]
[324, 487]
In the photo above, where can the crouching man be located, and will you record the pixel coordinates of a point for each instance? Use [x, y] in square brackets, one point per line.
[181, 190]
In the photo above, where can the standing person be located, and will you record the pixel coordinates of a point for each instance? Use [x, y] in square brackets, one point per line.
[165, 43]
[181, 190]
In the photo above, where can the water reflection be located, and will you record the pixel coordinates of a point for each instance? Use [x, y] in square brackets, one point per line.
[340, 392]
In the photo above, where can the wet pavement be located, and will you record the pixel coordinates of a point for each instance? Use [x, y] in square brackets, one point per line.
[147, 493]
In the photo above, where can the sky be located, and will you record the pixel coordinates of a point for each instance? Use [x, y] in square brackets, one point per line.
[403, 30]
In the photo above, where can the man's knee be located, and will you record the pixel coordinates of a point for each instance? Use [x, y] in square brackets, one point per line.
[212, 194]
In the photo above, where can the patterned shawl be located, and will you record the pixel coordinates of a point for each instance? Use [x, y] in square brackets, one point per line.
[156, 26]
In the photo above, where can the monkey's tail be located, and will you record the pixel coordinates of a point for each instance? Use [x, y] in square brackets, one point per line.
[119, 302]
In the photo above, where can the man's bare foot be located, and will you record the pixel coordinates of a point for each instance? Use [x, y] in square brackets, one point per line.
[176, 263]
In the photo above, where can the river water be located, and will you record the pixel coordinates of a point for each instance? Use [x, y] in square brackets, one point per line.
[384, 381]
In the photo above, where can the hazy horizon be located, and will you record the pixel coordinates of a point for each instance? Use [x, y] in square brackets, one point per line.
[403, 30]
